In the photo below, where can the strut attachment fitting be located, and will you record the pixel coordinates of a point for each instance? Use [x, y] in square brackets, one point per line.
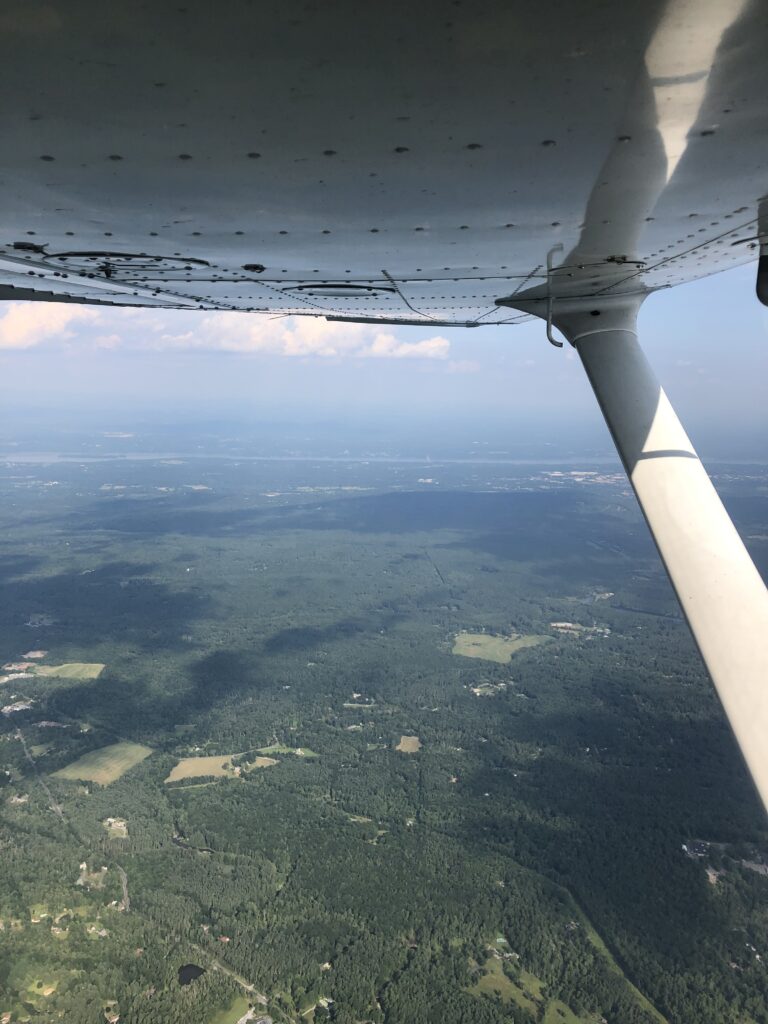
[550, 336]
[761, 286]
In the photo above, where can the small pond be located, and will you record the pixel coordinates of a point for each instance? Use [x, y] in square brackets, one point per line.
[188, 973]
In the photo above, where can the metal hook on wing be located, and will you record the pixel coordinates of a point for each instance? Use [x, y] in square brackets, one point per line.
[550, 336]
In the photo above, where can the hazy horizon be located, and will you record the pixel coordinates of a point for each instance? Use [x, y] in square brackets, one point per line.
[72, 368]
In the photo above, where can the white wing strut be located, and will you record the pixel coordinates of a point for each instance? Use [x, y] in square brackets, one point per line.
[721, 593]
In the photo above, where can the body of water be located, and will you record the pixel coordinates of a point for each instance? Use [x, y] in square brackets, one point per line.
[188, 973]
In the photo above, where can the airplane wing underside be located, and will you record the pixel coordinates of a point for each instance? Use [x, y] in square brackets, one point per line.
[402, 163]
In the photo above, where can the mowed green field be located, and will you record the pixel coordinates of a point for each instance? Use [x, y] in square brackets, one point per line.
[492, 647]
[71, 670]
[232, 1013]
[106, 764]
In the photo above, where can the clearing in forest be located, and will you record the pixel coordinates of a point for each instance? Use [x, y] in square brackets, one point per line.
[42, 987]
[409, 745]
[279, 748]
[492, 647]
[117, 827]
[231, 1014]
[526, 992]
[495, 983]
[219, 766]
[260, 762]
[71, 670]
[33, 983]
[106, 764]
[559, 1013]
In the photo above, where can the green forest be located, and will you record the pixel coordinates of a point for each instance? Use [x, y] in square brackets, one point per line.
[573, 840]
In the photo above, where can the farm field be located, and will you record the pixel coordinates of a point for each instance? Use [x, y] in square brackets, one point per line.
[409, 745]
[106, 764]
[492, 647]
[71, 670]
[217, 765]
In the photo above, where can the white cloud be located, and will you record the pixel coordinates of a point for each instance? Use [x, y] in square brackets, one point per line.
[26, 324]
[296, 337]
[313, 336]
[386, 346]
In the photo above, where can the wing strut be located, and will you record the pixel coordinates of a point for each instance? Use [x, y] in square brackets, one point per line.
[721, 593]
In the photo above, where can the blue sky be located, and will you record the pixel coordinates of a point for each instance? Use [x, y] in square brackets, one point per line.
[708, 341]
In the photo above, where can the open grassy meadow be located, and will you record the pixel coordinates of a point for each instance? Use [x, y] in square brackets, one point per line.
[280, 748]
[71, 670]
[558, 1013]
[231, 1014]
[260, 762]
[106, 764]
[492, 647]
[527, 993]
[35, 982]
[495, 983]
